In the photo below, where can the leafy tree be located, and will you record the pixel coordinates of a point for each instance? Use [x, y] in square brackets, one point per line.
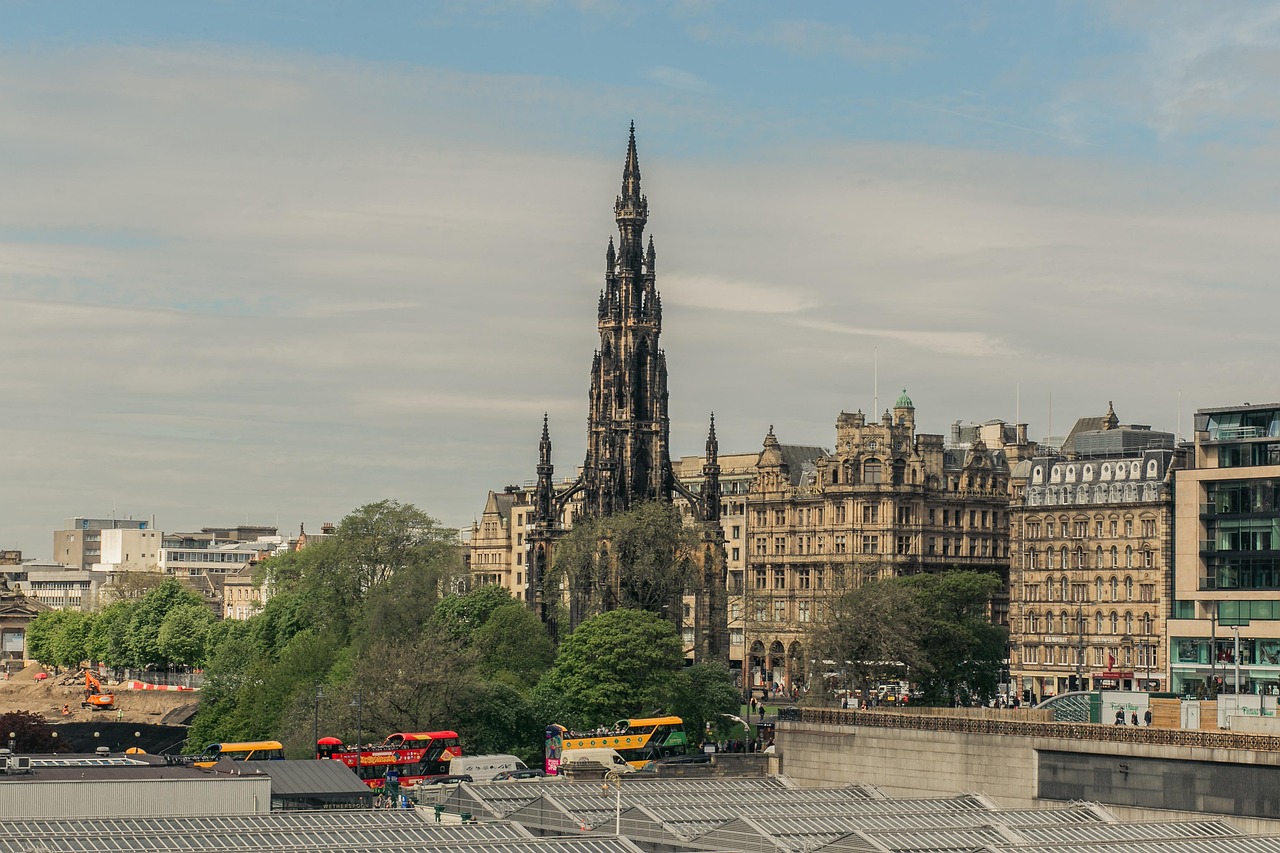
[615, 665]
[31, 733]
[184, 634]
[460, 616]
[401, 606]
[379, 539]
[871, 628]
[131, 586]
[108, 640]
[642, 558]
[513, 646]
[965, 651]
[148, 615]
[43, 634]
[701, 695]
[68, 644]
[415, 684]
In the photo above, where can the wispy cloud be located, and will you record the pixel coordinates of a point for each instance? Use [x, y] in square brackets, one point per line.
[726, 294]
[813, 39]
[975, 344]
[676, 78]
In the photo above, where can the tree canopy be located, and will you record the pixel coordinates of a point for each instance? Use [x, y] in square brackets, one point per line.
[932, 627]
[642, 557]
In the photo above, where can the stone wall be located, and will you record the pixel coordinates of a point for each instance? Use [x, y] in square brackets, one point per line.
[1026, 765]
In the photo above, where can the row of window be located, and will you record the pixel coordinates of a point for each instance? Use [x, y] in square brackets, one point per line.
[1079, 528]
[874, 543]
[1147, 656]
[906, 514]
[777, 610]
[1078, 623]
[1066, 590]
[1033, 559]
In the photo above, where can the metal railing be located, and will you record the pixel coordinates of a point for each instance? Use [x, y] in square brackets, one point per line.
[1018, 728]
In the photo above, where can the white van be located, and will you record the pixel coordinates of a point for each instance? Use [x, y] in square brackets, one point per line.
[484, 766]
[605, 757]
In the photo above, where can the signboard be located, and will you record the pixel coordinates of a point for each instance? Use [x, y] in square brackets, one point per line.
[12, 641]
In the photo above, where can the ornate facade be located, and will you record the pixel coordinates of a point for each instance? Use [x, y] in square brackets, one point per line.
[887, 502]
[628, 457]
[1091, 538]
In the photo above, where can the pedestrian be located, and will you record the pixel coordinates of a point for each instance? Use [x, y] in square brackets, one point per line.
[1120, 717]
[753, 703]
[1134, 718]
[762, 712]
[1146, 718]
[119, 715]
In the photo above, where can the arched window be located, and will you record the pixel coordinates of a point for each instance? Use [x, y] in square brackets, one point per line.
[1146, 623]
[1048, 622]
[1099, 582]
[1115, 588]
[1032, 625]
[872, 471]
[1031, 558]
[1115, 621]
[1080, 557]
[1128, 556]
[1065, 621]
[1098, 620]
[1128, 623]
[1063, 558]
[1066, 595]
[1128, 589]
[1115, 557]
[1048, 558]
[1097, 559]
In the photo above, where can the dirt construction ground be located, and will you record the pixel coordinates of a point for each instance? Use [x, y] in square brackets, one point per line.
[23, 692]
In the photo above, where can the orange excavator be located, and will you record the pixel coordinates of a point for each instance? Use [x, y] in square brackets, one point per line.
[94, 698]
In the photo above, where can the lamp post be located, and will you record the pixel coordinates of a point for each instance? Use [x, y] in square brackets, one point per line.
[614, 778]
[1235, 629]
[358, 702]
[315, 721]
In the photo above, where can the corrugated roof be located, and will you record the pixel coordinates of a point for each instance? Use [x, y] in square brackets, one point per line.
[313, 779]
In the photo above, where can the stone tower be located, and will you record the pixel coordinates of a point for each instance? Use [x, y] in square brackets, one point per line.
[628, 459]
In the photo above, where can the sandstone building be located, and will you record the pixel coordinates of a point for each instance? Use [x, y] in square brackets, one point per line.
[1091, 543]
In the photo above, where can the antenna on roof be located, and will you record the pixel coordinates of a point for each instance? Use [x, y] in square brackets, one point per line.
[1017, 403]
[1179, 415]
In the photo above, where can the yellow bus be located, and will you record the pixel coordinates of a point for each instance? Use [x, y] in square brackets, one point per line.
[253, 750]
[639, 741]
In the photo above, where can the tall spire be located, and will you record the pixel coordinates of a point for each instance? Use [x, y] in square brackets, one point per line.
[711, 476]
[631, 170]
[544, 494]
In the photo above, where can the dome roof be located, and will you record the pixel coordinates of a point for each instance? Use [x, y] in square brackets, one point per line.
[904, 402]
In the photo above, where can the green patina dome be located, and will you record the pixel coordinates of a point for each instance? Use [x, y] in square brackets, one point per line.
[904, 402]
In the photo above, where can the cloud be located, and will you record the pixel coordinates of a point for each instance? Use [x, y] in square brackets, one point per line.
[238, 282]
[722, 294]
[975, 344]
[685, 81]
[811, 39]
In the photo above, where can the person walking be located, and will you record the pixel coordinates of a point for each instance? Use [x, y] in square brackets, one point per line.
[1120, 717]
[1146, 717]
[1134, 718]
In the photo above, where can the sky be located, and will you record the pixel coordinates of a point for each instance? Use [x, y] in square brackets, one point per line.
[268, 262]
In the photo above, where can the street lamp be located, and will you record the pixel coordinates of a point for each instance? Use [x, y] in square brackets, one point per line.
[358, 702]
[315, 724]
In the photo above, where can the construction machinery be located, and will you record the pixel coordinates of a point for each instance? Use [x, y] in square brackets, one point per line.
[94, 698]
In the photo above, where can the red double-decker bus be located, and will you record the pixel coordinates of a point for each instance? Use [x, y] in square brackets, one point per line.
[412, 756]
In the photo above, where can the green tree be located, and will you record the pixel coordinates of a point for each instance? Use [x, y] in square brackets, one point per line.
[68, 645]
[873, 631]
[43, 635]
[108, 640]
[460, 616]
[965, 651]
[618, 664]
[148, 615]
[184, 634]
[702, 695]
[641, 558]
[513, 646]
